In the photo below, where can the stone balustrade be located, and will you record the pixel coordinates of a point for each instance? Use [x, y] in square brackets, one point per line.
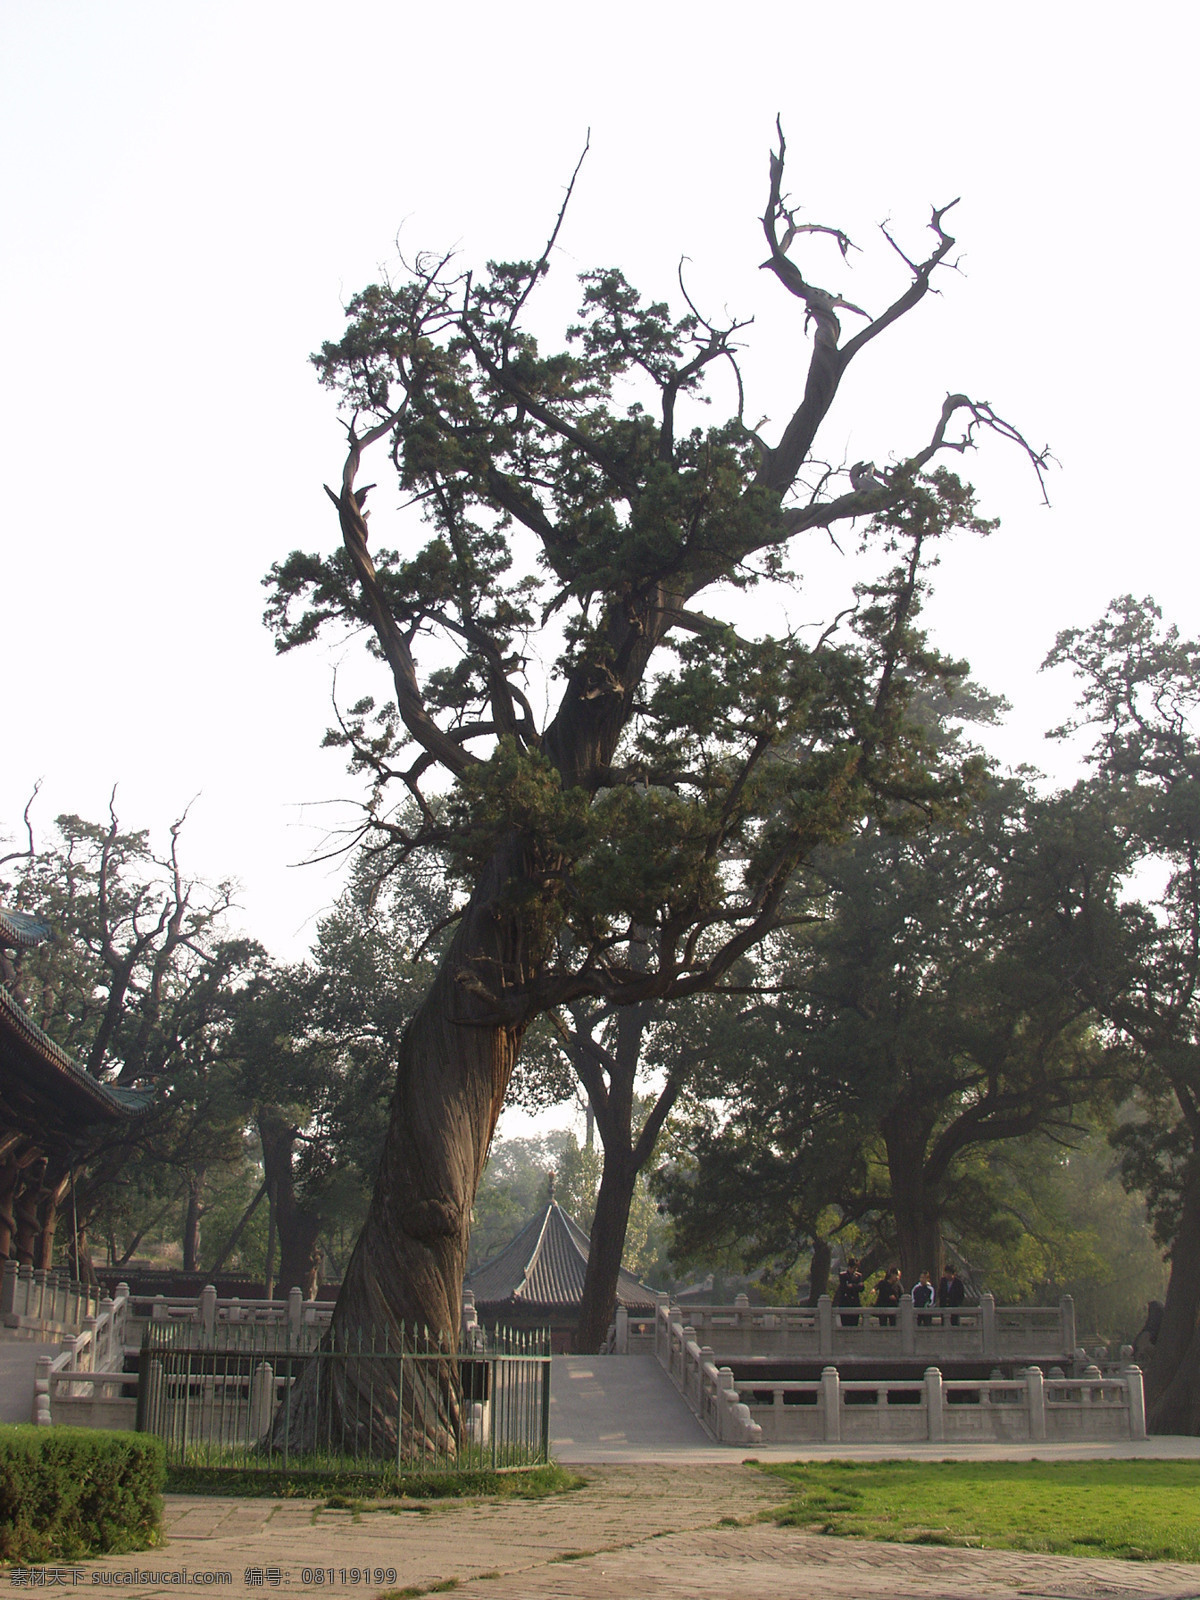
[83, 1384]
[979, 1332]
[1026, 1408]
[708, 1389]
[208, 1311]
[37, 1304]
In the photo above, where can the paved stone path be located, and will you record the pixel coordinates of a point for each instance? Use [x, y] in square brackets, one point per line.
[604, 1408]
[655, 1529]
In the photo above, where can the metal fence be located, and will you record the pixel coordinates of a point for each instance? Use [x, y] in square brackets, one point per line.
[266, 1398]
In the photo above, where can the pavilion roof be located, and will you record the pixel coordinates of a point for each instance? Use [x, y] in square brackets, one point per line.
[544, 1266]
[39, 1075]
[20, 931]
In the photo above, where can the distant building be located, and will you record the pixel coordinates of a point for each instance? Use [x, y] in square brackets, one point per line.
[50, 1111]
[537, 1280]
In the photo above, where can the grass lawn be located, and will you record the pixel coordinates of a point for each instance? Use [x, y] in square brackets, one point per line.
[1138, 1510]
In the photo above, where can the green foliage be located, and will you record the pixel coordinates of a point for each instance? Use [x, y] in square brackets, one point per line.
[686, 771]
[72, 1492]
[1128, 1510]
[927, 1008]
[314, 1046]
[1062, 1223]
[1140, 693]
[139, 986]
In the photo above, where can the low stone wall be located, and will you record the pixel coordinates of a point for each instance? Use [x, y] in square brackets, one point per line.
[1031, 1408]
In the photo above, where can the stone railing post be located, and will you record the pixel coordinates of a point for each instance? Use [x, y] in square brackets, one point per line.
[208, 1309]
[987, 1315]
[727, 1398]
[1136, 1392]
[158, 1309]
[831, 1400]
[690, 1344]
[908, 1326]
[1066, 1308]
[8, 1289]
[107, 1319]
[92, 1363]
[824, 1326]
[935, 1399]
[262, 1399]
[1035, 1400]
[622, 1340]
[122, 1310]
[41, 1392]
[295, 1310]
[25, 1291]
[38, 1307]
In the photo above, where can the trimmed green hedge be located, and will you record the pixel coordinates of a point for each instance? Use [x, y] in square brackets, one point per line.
[72, 1492]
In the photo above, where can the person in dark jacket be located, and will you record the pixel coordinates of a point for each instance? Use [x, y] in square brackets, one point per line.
[952, 1291]
[888, 1294]
[849, 1291]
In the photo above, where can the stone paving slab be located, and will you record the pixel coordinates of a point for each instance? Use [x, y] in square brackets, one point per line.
[652, 1529]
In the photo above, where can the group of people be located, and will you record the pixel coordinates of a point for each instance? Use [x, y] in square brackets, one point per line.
[951, 1291]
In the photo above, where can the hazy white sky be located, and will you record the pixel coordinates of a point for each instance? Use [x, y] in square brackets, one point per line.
[190, 191]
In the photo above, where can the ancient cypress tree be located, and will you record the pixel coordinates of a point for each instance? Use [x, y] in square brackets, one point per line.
[1140, 695]
[585, 525]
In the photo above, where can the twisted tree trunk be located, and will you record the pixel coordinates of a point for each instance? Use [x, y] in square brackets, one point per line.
[404, 1278]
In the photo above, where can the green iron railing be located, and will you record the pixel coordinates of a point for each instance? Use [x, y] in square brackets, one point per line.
[261, 1397]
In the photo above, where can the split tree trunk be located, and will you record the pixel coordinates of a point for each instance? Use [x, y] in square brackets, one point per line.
[191, 1222]
[915, 1207]
[818, 1270]
[297, 1225]
[609, 1225]
[1173, 1370]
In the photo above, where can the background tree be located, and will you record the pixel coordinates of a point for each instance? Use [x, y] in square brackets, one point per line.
[137, 987]
[682, 772]
[314, 1052]
[1140, 688]
[929, 1011]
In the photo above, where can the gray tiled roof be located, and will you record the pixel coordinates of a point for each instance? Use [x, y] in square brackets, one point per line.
[20, 931]
[23, 1045]
[545, 1265]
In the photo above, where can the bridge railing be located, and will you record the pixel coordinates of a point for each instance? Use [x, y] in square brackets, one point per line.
[972, 1332]
[89, 1366]
[37, 1304]
[1026, 1406]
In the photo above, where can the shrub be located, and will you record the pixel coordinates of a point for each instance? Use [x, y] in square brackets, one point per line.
[71, 1492]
